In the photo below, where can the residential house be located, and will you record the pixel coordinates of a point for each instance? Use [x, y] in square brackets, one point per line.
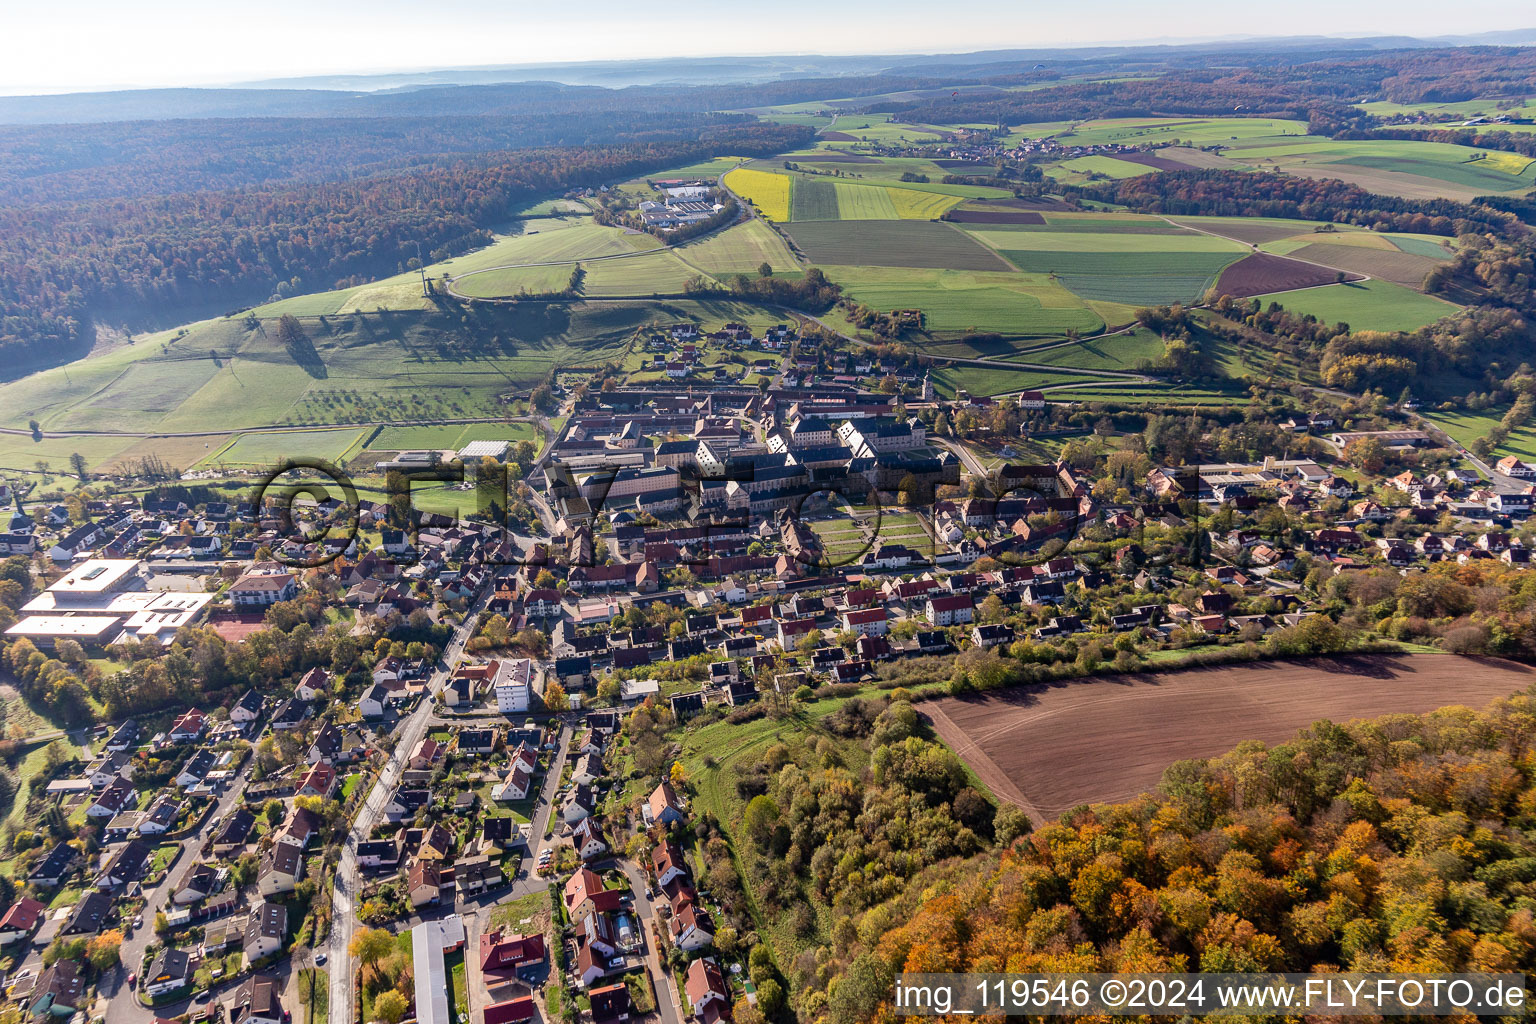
[257, 1001]
[233, 833]
[668, 863]
[663, 807]
[691, 928]
[89, 915]
[282, 870]
[950, 610]
[116, 798]
[171, 972]
[585, 895]
[128, 864]
[705, 985]
[247, 709]
[587, 838]
[378, 853]
[21, 920]
[265, 931]
[197, 883]
[424, 883]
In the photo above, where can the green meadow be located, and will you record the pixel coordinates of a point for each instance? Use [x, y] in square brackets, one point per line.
[1366, 305]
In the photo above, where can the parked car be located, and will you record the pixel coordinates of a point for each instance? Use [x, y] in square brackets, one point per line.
[133, 981]
[319, 959]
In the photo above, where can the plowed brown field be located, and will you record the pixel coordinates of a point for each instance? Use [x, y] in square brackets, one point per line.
[1263, 273]
[1050, 748]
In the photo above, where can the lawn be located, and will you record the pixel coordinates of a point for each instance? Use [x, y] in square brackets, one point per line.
[1365, 305]
[524, 909]
[767, 191]
[314, 994]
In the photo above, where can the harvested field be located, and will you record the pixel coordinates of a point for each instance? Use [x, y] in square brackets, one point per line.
[1253, 231]
[893, 243]
[1187, 157]
[1041, 203]
[1050, 748]
[1161, 163]
[839, 137]
[995, 217]
[1262, 273]
[1404, 268]
[961, 163]
[835, 158]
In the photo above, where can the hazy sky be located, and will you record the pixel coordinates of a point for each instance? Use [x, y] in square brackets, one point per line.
[92, 44]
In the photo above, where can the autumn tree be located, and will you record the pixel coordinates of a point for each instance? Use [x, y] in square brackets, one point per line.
[369, 946]
[390, 1006]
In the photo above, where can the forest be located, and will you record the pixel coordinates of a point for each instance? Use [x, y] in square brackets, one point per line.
[62, 264]
[1400, 844]
[1225, 193]
[1294, 86]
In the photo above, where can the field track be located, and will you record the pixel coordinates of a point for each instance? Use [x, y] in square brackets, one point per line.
[1049, 748]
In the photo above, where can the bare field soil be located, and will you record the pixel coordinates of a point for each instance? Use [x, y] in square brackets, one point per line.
[836, 158]
[1263, 273]
[1254, 232]
[1052, 747]
[996, 217]
[1404, 268]
[1161, 163]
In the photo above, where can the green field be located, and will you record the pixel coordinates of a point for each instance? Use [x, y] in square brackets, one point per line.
[1116, 352]
[892, 243]
[813, 199]
[1106, 165]
[987, 380]
[270, 448]
[544, 280]
[1138, 131]
[395, 366]
[1467, 427]
[1366, 305]
[450, 435]
[877, 128]
[740, 250]
[660, 273]
[961, 302]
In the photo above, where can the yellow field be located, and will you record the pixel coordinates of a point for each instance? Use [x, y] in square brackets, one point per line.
[770, 192]
[1509, 163]
[913, 205]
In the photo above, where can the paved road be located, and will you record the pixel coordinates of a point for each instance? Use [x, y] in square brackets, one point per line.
[347, 882]
[667, 1001]
[122, 1002]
